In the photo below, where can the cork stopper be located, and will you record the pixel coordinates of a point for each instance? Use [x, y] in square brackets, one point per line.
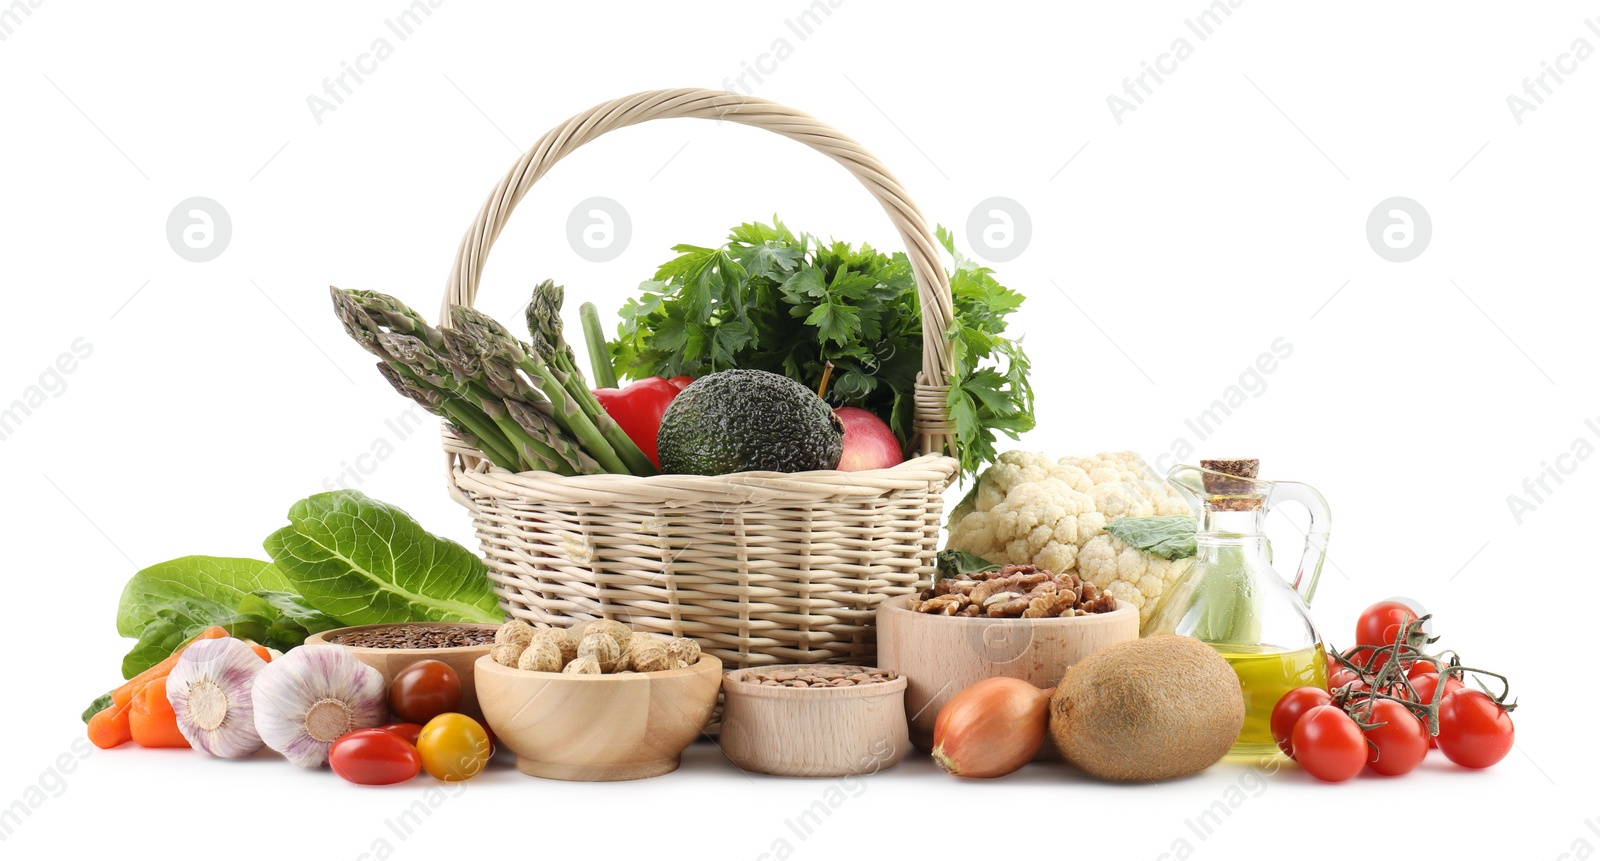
[1227, 495]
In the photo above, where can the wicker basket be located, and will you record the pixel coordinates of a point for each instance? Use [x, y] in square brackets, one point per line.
[762, 568]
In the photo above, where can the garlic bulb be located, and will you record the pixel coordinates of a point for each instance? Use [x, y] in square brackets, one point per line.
[210, 692]
[314, 695]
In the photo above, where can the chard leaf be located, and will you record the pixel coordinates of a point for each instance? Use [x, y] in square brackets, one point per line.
[166, 604]
[365, 562]
[1168, 537]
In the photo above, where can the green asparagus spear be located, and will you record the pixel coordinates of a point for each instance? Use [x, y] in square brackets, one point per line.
[544, 325]
[594, 336]
[498, 346]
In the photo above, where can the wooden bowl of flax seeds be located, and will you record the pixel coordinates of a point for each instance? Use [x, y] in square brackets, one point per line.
[393, 647]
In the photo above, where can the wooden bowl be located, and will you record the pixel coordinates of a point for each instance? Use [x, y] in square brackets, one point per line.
[603, 727]
[812, 732]
[392, 661]
[941, 655]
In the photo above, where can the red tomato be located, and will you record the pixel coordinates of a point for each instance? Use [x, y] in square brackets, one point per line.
[1329, 745]
[681, 382]
[1400, 744]
[1288, 711]
[1474, 731]
[1340, 677]
[374, 757]
[1417, 668]
[1381, 623]
[407, 731]
[424, 690]
[1426, 683]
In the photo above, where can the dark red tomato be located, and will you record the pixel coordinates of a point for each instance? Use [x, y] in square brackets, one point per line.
[1400, 744]
[681, 382]
[1288, 711]
[374, 757]
[1329, 745]
[1474, 731]
[1380, 624]
[424, 690]
[407, 731]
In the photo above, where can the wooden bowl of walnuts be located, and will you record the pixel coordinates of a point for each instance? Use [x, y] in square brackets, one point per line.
[940, 655]
[589, 703]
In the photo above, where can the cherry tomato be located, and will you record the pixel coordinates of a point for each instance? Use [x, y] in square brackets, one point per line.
[1417, 668]
[454, 747]
[1474, 731]
[1426, 683]
[1380, 624]
[1400, 744]
[1340, 677]
[424, 690]
[374, 757]
[1288, 711]
[407, 731]
[1329, 745]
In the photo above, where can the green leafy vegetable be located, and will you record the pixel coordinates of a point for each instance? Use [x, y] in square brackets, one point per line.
[1167, 537]
[776, 301]
[100, 704]
[167, 603]
[952, 563]
[365, 562]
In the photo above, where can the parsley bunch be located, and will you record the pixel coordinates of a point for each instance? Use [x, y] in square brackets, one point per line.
[790, 304]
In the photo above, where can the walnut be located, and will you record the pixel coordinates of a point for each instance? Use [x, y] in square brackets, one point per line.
[1047, 605]
[583, 665]
[684, 650]
[506, 654]
[515, 632]
[542, 657]
[1006, 605]
[652, 657]
[949, 605]
[971, 610]
[601, 646]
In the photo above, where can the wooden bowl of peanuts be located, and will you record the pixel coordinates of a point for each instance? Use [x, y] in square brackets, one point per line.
[814, 720]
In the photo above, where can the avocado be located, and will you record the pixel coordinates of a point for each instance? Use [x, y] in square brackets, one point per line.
[744, 420]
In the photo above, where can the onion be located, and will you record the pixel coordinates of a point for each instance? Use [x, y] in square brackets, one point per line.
[991, 729]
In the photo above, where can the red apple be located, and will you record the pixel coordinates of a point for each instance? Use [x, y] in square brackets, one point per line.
[868, 442]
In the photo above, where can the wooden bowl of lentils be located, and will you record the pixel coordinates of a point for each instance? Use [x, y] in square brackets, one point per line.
[814, 720]
[391, 648]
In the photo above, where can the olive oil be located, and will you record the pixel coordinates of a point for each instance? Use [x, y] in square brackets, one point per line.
[1266, 673]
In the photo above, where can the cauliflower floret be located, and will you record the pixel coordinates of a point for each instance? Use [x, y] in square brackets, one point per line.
[1129, 573]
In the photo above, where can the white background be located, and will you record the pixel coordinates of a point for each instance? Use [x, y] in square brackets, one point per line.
[1225, 212]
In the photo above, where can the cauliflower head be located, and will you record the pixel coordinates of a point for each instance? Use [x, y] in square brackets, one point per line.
[1029, 509]
[1128, 573]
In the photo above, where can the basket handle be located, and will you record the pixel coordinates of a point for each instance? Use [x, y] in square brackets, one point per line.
[932, 422]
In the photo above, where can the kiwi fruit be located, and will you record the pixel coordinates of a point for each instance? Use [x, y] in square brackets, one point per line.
[1151, 709]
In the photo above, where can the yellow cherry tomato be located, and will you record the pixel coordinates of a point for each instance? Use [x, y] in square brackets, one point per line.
[454, 747]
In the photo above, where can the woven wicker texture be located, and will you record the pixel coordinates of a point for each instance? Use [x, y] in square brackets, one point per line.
[762, 568]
